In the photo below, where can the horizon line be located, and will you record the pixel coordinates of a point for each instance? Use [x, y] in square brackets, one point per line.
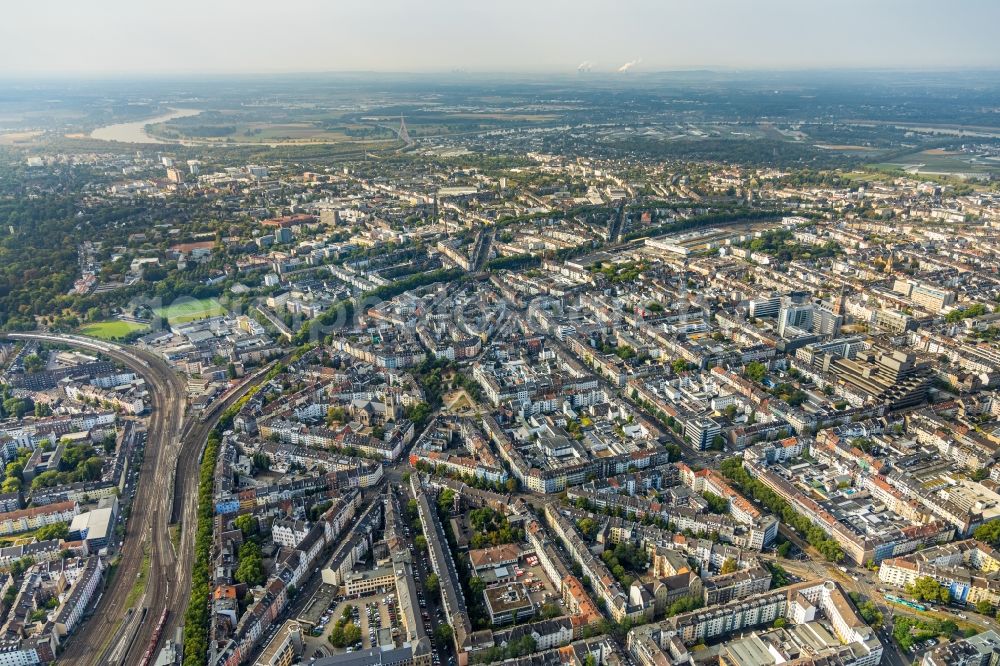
[461, 72]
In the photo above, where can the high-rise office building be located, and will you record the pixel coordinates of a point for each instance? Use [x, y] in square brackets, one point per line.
[932, 299]
[826, 322]
[794, 315]
[888, 376]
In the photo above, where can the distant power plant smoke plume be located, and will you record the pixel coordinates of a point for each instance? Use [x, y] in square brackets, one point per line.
[629, 65]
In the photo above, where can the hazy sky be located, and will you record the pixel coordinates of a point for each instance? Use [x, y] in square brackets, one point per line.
[222, 36]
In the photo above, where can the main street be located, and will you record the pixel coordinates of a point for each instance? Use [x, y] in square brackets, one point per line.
[865, 582]
[119, 633]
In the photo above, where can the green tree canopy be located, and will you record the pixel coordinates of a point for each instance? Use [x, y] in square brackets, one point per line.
[755, 371]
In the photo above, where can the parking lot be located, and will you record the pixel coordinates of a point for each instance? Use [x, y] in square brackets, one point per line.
[429, 604]
[376, 615]
[540, 588]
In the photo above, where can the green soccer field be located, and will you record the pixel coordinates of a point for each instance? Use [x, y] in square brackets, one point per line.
[112, 329]
[187, 310]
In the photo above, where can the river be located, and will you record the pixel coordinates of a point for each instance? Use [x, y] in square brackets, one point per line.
[135, 132]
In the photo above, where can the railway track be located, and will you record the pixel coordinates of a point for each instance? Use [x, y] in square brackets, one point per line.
[184, 493]
[148, 520]
[166, 494]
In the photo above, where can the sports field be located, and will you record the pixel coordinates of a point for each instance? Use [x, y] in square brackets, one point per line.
[185, 310]
[113, 329]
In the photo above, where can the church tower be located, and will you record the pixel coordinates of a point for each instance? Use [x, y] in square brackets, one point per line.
[840, 304]
[890, 265]
[393, 410]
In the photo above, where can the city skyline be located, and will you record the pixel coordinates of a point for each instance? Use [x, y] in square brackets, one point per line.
[567, 333]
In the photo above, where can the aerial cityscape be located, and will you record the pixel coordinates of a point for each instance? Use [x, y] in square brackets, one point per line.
[528, 348]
